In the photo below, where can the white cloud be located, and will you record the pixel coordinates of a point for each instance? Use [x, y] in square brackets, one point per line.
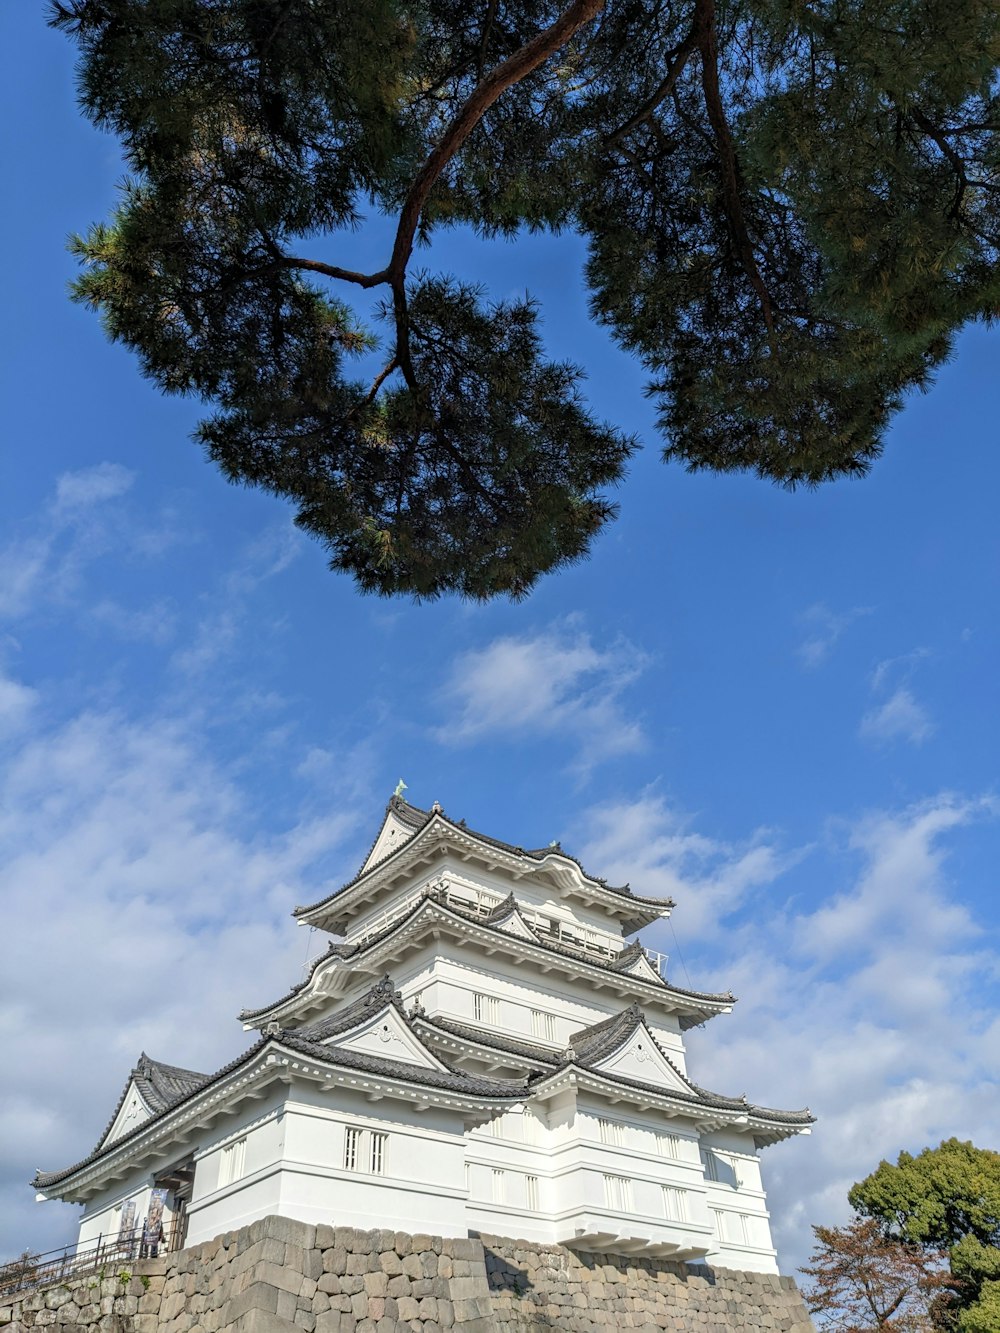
[44, 564]
[142, 910]
[16, 704]
[555, 682]
[658, 850]
[91, 486]
[824, 629]
[901, 718]
[869, 1005]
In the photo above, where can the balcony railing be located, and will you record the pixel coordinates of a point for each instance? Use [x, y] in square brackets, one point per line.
[481, 902]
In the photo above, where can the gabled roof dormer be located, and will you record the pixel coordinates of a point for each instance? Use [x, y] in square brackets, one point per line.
[152, 1086]
[375, 1025]
[400, 822]
[633, 960]
[506, 916]
[624, 1047]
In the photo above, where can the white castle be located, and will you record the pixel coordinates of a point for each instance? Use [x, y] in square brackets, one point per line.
[480, 1050]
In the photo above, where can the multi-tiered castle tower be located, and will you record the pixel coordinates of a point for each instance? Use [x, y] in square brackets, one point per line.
[480, 1049]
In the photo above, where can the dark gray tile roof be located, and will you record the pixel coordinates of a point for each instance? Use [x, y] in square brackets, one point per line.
[591, 1045]
[380, 997]
[417, 819]
[306, 1043]
[159, 1085]
[452, 1080]
[550, 946]
[495, 1041]
[43, 1179]
[334, 951]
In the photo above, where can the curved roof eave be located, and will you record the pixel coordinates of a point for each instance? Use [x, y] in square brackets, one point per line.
[620, 895]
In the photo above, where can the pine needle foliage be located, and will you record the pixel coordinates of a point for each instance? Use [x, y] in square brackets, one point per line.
[791, 207]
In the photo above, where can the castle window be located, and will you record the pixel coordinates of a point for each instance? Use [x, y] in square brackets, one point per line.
[618, 1193]
[366, 1150]
[352, 1148]
[612, 1133]
[531, 1192]
[379, 1148]
[486, 1008]
[499, 1186]
[543, 1025]
[668, 1145]
[674, 1204]
[233, 1162]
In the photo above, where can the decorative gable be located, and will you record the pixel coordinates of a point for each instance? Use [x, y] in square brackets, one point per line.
[642, 967]
[393, 834]
[641, 1059]
[132, 1112]
[511, 922]
[386, 1035]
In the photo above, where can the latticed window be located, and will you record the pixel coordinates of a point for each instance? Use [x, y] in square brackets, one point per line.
[352, 1149]
[674, 1204]
[499, 1186]
[366, 1150]
[531, 1192]
[618, 1193]
[543, 1025]
[668, 1145]
[612, 1133]
[233, 1162]
[486, 1008]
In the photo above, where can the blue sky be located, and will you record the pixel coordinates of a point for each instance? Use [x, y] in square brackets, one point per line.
[781, 709]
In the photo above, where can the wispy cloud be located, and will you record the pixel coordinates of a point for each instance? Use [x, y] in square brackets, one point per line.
[44, 564]
[824, 628]
[900, 716]
[555, 682]
[134, 875]
[658, 849]
[870, 1006]
[227, 611]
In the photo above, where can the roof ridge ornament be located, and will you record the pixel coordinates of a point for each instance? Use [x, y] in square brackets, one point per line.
[384, 990]
[400, 788]
[271, 1029]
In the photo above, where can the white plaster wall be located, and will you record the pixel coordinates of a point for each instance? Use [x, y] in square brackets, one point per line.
[101, 1220]
[738, 1205]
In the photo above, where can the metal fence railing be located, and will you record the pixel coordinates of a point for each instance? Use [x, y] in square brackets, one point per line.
[29, 1270]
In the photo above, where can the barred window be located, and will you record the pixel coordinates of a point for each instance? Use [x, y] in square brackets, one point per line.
[668, 1145]
[543, 1025]
[531, 1192]
[499, 1186]
[352, 1148]
[233, 1162]
[612, 1133]
[486, 1008]
[366, 1150]
[674, 1204]
[618, 1193]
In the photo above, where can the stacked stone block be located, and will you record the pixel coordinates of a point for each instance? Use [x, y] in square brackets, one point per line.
[538, 1287]
[282, 1276]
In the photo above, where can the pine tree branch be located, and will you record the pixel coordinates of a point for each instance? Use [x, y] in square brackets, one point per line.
[708, 46]
[679, 57]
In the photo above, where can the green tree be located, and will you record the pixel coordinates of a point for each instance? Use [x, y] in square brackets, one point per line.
[946, 1199]
[790, 209]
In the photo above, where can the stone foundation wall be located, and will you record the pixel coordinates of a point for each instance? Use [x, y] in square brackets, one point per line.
[536, 1287]
[282, 1276]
